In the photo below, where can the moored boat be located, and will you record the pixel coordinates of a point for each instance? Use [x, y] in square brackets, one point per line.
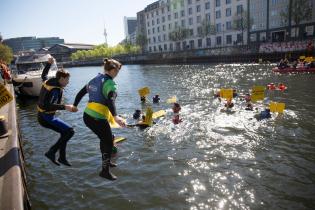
[27, 76]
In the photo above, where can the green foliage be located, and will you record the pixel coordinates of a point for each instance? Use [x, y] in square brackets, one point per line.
[301, 10]
[6, 54]
[207, 28]
[102, 51]
[179, 34]
[240, 21]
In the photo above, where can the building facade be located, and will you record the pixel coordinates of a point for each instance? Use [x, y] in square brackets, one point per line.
[130, 26]
[173, 25]
[273, 21]
[31, 43]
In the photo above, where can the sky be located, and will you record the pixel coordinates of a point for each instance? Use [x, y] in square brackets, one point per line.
[75, 21]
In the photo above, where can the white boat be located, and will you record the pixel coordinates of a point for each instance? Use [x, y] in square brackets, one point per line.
[27, 75]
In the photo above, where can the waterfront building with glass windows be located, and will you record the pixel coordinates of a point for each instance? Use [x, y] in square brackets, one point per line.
[273, 20]
[31, 43]
[173, 25]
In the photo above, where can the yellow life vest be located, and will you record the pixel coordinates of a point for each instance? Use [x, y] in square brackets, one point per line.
[104, 111]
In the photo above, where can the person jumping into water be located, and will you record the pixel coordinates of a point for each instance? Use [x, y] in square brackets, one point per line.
[101, 109]
[49, 102]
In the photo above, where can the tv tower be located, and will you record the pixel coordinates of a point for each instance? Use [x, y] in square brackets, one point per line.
[105, 35]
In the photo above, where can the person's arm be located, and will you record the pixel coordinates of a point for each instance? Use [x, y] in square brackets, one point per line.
[111, 102]
[80, 95]
[46, 69]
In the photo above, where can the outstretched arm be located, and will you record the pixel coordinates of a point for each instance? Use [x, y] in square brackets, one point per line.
[46, 69]
[80, 95]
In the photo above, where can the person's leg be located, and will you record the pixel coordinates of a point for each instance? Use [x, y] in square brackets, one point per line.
[102, 129]
[66, 132]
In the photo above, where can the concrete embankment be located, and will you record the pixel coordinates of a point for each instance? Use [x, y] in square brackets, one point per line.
[13, 191]
[188, 57]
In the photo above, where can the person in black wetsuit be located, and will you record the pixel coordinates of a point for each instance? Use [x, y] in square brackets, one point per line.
[101, 111]
[49, 102]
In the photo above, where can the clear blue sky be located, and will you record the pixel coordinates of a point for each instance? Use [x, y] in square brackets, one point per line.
[76, 21]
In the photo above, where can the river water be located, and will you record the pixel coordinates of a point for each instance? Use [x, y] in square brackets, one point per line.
[212, 160]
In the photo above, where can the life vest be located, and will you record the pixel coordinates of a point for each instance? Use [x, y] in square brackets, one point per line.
[97, 101]
[44, 93]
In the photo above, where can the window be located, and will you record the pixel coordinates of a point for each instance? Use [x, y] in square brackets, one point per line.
[159, 38]
[199, 31]
[228, 25]
[165, 47]
[152, 14]
[153, 22]
[154, 40]
[228, 39]
[164, 37]
[228, 1]
[148, 23]
[208, 17]
[158, 29]
[239, 9]
[183, 23]
[192, 44]
[208, 40]
[218, 27]
[148, 31]
[190, 21]
[219, 40]
[154, 48]
[162, 10]
[169, 17]
[169, 26]
[207, 5]
[199, 19]
[153, 31]
[175, 15]
[149, 40]
[218, 14]
[198, 9]
[191, 32]
[182, 3]
[189, 1]
[228, 12]
[239, 37]
[176, 25]
[217, 3]
[163, 27]
[150, 49]
[157, 12]
[171, 47]
[163, 19]
[182, 13]
[199, 43]
[189, 11]
[184, 45]
[157, 21]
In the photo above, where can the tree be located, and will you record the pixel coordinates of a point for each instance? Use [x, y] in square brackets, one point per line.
[241, 22]
[142, 41]
[179, 34]
[207, 28]
[301, 10]
[6, 54]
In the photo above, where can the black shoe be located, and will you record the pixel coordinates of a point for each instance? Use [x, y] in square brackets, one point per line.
[112, 165]
[52, 157]
[107, 175]
[64, 162]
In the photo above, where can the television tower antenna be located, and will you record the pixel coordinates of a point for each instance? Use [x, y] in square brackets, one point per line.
[105, 35]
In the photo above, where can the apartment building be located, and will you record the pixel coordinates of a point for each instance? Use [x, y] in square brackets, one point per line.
[272, 20]
[173, 25]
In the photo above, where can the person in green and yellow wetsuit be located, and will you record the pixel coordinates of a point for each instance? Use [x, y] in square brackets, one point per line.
[100, 111]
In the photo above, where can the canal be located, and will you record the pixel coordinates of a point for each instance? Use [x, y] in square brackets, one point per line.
[212, 160]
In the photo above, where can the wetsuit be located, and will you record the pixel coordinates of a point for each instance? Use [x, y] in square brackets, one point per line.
[49, 102]
[100, 107]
